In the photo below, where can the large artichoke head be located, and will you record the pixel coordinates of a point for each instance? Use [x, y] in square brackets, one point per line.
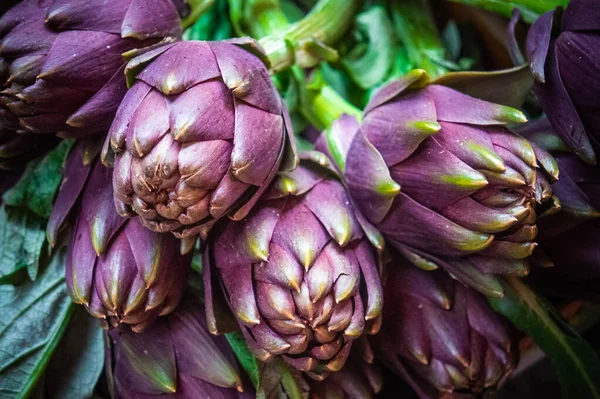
[199, 136]
[174, 358]
[119, 270]
[61, 64]
[564, 54]
[444, 180]
[298, 273]
[440, 336]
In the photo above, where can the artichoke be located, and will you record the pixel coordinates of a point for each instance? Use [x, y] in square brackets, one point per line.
[569, 240]
[121, 271]
[61, 64]
[175, 358]
[564, 54]
[298, 273]
[443, 179]
[441, 336]
[199, 136]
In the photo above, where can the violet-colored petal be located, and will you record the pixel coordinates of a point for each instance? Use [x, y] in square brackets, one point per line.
[203, 164]
[330, 203]
[397, 128]
[577, 56]
[204, 112]
[435, 178]
[258, 140]
[119, 127]
[412, 224]
[247, 77]
[416, 77]
[335, 141]
[97, 113]
[296, 182]
[274, 302]
[193, 344]
[300, 233]
[453, 106]
[562, 113]
[175, 70]
[84, 59]
[281, 269]
[148, 124]
[369, 179]
[91, 15]
[475, 216]
[98, 208]
[240, 291]
[28, 37]
[252, 237]
[371, 279]
[538, 43]
[227, 194]
[146, 361]
[151, 19]
[75, 178]
[80, 264]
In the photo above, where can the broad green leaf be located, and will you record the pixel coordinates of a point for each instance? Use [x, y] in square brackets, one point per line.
[576, 363]
[79, 360]
[245, 356]
[22, 240]
[369, 62]
[37, 187]
[530, 9]
[35, 316]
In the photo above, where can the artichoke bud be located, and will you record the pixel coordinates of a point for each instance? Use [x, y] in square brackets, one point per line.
[318, 288]
[199, 136]
[467, 188]
[63, 64]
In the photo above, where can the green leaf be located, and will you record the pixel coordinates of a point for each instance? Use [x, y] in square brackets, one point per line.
[213, 24]
[245, 356]
[22, 240]
[277, 380]
[35, 316]
[369, 62]
[79, 360]
[576, 363]
[530, 9]
[37, 187]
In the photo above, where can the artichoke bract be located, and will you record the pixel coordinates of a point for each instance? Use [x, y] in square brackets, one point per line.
[174, 358]
[361, 377]
[570, 239]
[441, 336]
[199, 136]
[298, 273]
[121, 271]
[61, 64]
[564, 54]
[443, 179]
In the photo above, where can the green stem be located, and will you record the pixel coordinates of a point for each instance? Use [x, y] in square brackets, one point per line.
[324, 24]
[198, 7]
[416, 28]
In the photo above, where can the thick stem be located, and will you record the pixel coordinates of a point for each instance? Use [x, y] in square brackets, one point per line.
[416, 28]
[325, 23]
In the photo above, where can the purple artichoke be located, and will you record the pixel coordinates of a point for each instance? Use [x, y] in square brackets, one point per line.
[443, 179]
[199, 136]
[569, 240]
[119, 270]
[174, 358]
[441, 336]
[298, 273]
[564, 51]
[61, 64]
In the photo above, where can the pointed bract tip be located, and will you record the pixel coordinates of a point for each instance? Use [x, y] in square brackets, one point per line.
[389, 188]
[426, 127]
[513, 115]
